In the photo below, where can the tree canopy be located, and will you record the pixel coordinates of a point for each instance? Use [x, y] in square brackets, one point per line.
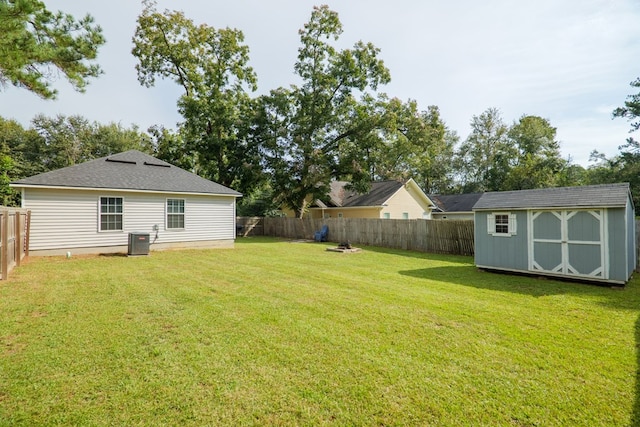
[36, 43]
[631, 110]
[211, 65]
[284, 147]
[312, 133]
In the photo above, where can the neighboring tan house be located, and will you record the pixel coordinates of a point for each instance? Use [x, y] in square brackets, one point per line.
[92, 207]
[454, 206]
[386, 199]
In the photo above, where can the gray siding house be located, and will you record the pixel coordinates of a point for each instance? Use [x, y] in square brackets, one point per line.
[586, 233]
[92, 207]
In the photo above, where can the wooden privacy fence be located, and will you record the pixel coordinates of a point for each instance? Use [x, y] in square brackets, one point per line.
[249, 226]
[14, 238]
[434, 236]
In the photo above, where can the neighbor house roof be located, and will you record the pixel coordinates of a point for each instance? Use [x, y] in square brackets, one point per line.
[130, 170]
[455, 202]
[605, 195]
[378, 195]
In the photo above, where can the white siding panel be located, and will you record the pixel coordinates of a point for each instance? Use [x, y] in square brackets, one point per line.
[69, 218]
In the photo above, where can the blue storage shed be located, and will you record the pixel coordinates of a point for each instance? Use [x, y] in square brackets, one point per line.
[585, 233]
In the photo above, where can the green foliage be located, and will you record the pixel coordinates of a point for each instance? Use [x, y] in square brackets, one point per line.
[537, 162]
[525, 155]
[212, 67]
[260, 202]
[69, 140]
[624, 167]
[312, 133]
[631, 110]
[53, 143]
[413, 144]
[36, 42]
[484, 158]
[171, 147]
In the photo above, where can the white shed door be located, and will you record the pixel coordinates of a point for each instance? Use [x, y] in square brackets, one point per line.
[568, 242]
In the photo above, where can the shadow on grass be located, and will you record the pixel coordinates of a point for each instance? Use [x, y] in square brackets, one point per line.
[468, 275]
[626, 298]
[460, 259]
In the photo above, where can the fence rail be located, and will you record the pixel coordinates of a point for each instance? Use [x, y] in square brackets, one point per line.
[14, 238]
[249, 226]
[435, 236]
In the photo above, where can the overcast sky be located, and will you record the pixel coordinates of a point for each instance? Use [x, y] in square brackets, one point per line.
[569, 61]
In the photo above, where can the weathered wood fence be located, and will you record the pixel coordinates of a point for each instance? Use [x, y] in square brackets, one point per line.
[249, 226]
[434, 236]
[637, 244]
[14, 238]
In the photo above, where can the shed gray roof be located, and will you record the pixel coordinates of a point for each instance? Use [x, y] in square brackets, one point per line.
[130, 170]
[455, 202]
[605, 195]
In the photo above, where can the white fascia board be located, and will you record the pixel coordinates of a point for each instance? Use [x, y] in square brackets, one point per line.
[121, 190]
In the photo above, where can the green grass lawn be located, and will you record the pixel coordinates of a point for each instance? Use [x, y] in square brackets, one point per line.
[279, 333]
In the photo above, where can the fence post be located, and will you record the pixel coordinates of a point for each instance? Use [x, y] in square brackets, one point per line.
[5, 244]
[27, 232]
[18, 231]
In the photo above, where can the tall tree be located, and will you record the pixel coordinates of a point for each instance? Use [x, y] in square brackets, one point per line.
[538, 161]
[485, 157]
[414, 144]
[35, 42]
[212, 67]
[631, 111]
[317, 129]
[624, 167]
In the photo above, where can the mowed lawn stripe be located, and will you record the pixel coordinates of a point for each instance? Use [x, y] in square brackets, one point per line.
[281, 333]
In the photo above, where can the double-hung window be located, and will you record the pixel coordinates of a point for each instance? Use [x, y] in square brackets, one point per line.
[111, 213]
[502, 224]
[175, 213]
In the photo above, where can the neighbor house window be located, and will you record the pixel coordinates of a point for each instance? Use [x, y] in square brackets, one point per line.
[175, 213]
[386, 215]
[111, 213]
[405, 215]
[501, 224]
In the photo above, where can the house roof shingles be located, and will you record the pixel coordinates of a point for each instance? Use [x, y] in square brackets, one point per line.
[130, 170]
[455, 202]
[378, 194]
[605, 195]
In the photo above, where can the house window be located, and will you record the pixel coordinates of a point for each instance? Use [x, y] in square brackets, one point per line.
[405, 215]
[175, 213]
[386, 215]
[501, 224]
[111, 213]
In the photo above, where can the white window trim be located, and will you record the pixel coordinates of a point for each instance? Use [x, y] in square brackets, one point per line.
[100, 230]
[512, 225]
[166, 214]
